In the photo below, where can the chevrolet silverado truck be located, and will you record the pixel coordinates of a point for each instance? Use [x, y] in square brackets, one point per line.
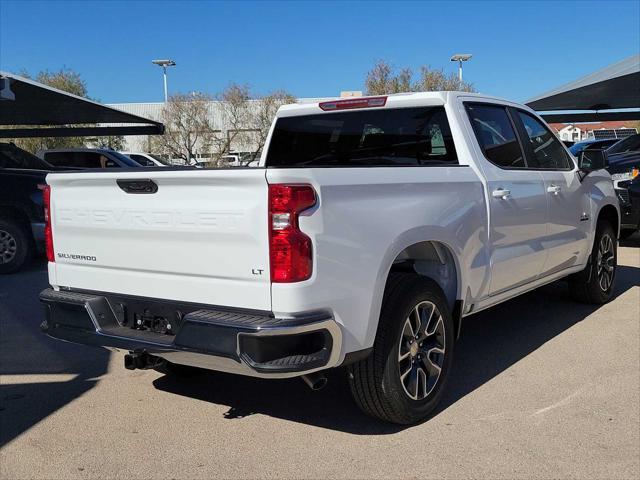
[370, 229]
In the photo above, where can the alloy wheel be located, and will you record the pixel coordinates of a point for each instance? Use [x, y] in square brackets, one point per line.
[421, 351]
[8, 247]
[605, 262]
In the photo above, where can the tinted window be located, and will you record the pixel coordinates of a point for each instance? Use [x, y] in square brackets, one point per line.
[14, 157]
[629, 144]
[390, 137]
[548, 152]
[124, 160]
[142, 160]
[75, 159]
[496, 135]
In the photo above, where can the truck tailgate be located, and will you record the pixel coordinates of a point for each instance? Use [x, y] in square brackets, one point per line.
[201, 237]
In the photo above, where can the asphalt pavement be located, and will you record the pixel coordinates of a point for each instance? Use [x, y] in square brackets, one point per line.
[542, 387]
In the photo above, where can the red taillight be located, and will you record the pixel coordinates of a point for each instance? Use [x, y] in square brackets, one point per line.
[289, 249]
[48, 233]
[363, 102]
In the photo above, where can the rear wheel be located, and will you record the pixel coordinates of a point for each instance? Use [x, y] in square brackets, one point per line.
[404, 377]
[15, 246]
[595, 283]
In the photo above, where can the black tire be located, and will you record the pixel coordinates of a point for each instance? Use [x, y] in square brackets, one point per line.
[15, 246]
[177, 370]
[589, 286]
[375, 381]
[624, 234]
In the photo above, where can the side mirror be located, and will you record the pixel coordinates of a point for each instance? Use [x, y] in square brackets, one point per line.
[592, 160]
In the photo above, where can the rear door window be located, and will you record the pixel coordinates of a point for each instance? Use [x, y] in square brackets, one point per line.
[389, 137]
[496, 135]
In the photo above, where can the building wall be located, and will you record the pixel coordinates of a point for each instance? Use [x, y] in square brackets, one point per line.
[245, 141]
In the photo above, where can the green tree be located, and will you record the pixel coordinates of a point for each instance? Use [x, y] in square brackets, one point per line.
[64, 79]
[188, 126]
[382, 79]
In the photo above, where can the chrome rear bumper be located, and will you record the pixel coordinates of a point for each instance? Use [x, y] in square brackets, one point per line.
[242, 342]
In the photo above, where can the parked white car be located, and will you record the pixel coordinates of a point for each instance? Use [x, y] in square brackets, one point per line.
[371, 228]
[238, 159]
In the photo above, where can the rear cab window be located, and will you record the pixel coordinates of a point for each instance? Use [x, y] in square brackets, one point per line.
[417, 136]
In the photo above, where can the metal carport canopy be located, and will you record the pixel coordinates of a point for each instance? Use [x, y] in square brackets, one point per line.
[55, 113]
[612, 93]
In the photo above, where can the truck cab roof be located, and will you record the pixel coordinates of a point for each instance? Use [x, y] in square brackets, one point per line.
[395, 100]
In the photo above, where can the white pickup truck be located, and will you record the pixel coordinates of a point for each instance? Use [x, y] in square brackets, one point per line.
[371, 228]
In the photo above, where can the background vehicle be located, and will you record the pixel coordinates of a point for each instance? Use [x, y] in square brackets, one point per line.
[631, 211]
[238, 159]
[375, 226]
[628, 192]
[87, 158]
[627, 145]
[148, 159]
[231, 160]
[624, 166]
[22, 177]
[576, 148]
[624, 158]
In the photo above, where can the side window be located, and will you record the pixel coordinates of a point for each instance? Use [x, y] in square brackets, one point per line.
[496, 135]
[59, 159]
[145, 162]
[548, 153]
[87, 160]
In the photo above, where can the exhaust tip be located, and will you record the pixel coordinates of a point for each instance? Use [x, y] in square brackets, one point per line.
[130, 361]
[315, 381]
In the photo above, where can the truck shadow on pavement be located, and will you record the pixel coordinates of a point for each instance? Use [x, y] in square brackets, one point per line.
[26, 353]
[41, 375]
[491, 342]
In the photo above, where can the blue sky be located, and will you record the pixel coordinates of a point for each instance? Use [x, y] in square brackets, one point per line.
[520, 49]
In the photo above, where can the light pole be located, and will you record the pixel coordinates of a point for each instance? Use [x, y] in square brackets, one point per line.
[164, 64]
[460, 57]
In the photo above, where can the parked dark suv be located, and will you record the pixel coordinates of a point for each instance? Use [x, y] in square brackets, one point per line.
[624, 167]
[22, 180]
[87, 158]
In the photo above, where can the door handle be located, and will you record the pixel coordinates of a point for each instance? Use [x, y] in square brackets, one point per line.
[501, 193]
[554, 189]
